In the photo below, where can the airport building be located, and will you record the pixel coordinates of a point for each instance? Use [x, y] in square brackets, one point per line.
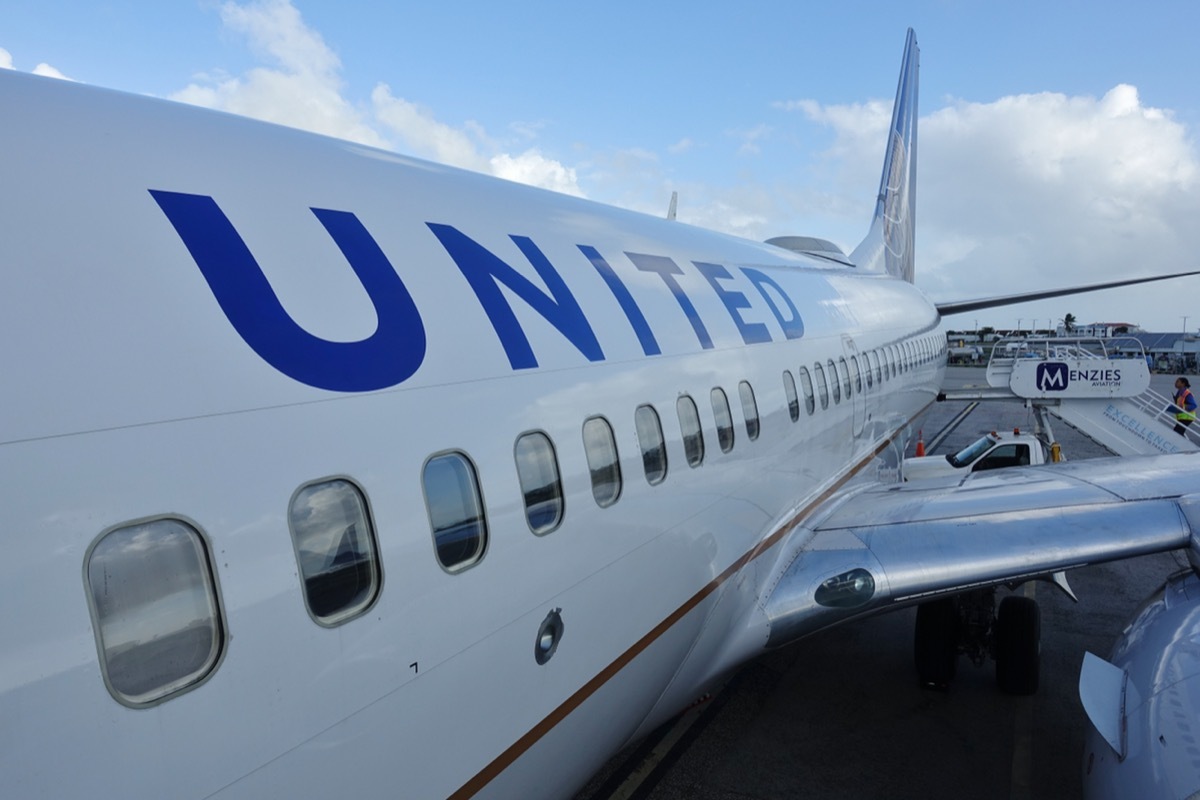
[1169, 352]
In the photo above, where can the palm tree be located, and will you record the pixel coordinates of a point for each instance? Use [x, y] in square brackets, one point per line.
[1069, 323]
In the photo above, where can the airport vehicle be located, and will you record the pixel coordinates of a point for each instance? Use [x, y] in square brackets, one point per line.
[462, 519]
[991, 451]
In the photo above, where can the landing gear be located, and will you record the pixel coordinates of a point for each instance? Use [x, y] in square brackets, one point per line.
[935, 643]
[1018, 645]
[969, 624]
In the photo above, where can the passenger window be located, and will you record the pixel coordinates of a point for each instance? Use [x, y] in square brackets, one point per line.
[154, 606]
[806, 386]
[879, 373]
[844, 371]
[455, 511]
[833, 382]
[822, 387]
[689, 429]
[541, 486]
[720, 406]
[335, 550]
[749, 409]
[856, 373]
[601, 450]
[650, 439]
[789, 388]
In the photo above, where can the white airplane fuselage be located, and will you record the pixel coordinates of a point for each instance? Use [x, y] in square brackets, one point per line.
[133, 395]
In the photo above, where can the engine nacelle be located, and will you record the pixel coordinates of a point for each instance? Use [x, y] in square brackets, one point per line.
[1144, 702]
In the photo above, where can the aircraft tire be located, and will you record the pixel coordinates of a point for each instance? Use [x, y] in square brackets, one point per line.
[935, 643]
[1018, 645]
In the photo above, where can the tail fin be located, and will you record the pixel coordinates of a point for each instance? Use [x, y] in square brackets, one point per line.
[889, 244]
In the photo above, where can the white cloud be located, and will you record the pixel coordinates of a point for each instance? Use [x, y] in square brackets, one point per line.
[682, 146]
[752, 139]
[48, 71]
[1041, 190]
[1064, 189]
[423, 134]
[275, 29]
[526, 130]
[302, 87]
[6, 62]
[533, 168]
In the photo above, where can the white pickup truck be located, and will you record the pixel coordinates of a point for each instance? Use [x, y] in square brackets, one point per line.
[993, 451]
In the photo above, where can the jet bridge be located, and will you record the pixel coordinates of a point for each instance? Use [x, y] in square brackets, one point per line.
[1100, 387]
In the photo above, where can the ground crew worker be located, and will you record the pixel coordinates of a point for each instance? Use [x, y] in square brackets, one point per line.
[1184, 407]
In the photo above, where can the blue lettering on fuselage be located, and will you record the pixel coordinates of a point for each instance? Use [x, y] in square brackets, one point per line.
[485, 271]
[667, 269]
[791, 325]
[396, 350]
[632, 312]
[387, 357]
[752, 332]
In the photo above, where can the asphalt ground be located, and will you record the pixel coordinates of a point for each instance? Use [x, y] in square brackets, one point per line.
[840, 715]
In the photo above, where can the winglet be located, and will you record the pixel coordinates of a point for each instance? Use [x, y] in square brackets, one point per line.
[889, 244]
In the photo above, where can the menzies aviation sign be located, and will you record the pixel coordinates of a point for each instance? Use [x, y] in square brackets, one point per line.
[1056, 376]
[1052, 376]
[1088, 377]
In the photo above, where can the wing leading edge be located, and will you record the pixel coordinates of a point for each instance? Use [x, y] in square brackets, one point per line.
[889, 546]
[965, 306]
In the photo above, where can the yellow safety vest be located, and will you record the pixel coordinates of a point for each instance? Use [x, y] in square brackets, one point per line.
[1183, 415]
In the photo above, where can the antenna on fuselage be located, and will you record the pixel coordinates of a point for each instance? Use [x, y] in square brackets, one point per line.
[674, 203]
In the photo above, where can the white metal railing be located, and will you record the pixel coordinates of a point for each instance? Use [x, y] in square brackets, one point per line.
[1008, 351]
[1160, 408]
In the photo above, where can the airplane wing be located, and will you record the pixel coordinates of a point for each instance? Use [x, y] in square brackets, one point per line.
[950, 308]
[884, 547]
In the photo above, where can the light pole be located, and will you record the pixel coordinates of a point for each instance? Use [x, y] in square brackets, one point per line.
[1183, 344]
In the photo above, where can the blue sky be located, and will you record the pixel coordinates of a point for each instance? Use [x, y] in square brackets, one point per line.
[1058, 140]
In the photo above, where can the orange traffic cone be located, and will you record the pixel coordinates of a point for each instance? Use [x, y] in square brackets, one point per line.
[920, 444]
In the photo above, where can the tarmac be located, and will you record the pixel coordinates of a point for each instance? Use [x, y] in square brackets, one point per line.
[841, 715]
